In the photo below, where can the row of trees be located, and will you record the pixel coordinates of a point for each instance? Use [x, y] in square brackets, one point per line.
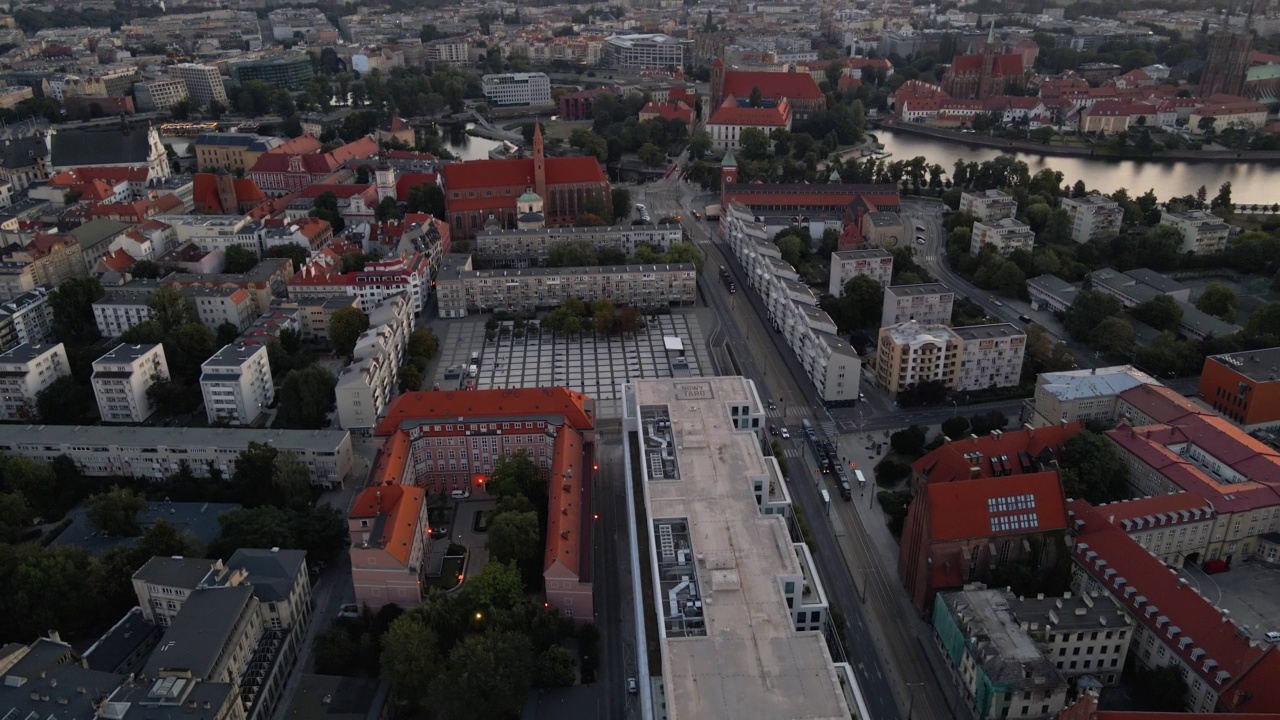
[575, 317]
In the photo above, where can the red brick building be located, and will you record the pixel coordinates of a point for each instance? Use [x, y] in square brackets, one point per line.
[986, 73]
[278, 173]
[579, 104]
[1244, 387]
[979, 504]
[799, 89]
[476, 190]
[449, 441]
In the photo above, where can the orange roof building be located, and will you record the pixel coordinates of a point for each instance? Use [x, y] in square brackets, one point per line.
[447, 442]
[799, 89]
[977, 504]
[388, 529]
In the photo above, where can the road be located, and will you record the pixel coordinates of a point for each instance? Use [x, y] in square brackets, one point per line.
[882, 636]
[613, 578]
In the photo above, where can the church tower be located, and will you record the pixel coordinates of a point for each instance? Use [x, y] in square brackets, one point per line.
[539, 162]
[717, 83]
[986, 81]
[386, 180]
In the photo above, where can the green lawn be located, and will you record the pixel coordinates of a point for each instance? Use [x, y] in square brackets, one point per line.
[448, 579]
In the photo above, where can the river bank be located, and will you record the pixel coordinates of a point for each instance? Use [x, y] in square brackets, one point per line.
[1035, 148]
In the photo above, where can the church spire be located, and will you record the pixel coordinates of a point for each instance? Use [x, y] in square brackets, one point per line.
[539, 161]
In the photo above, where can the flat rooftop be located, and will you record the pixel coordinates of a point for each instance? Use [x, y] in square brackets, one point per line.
[25, 353]
[988, 332]
[916, 290]
[747, 661]
[1257, 365]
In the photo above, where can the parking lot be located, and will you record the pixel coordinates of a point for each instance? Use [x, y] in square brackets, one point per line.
[589, 364]
[1249, 591]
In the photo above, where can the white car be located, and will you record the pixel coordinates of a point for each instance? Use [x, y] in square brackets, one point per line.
[786, 434]
[920, 239]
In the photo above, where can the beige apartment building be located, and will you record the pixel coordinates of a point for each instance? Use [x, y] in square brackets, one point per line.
[526, 248]
[926, 304]
[875, 263]
[988, 205]
[990, 356]
[1088, 394]
[203, 82]
[24, 372]
[966, 359]
[367, 385]
[460, 290]
[1004, 236]
[1092, 216]
[318, 309]
[121, 379]
[1201, 232]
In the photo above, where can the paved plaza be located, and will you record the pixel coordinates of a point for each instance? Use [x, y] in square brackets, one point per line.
[593, 365]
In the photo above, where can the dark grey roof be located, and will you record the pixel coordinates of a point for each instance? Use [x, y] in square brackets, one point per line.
[22, 152]
[196, 520]
[109, 145]
[119, 649]
[330, 697]
[98, 231]
[44, 697]
[198, 634]
[271, 573]
[175, 571]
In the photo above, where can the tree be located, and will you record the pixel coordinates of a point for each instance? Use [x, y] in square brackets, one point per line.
[514, 537]
[516, 475]
[410, 379]
[621, 198]
[326, 208]
[1113, 336]
[575, 253]
[683, 252]
[891, 472]
[1087, 311]
[1162, 688]
[955, 427]
[1009, 280]
[602, 315]
[305, 398]
[295, 252]
[1093, 469]
[290, 481]
[387, 210]
[754, 143]
[410, 658]
[72, 304]
[699, 145]
[227, 334]
[792, 249]
[172, 398]
[65, 402]
[170, 308]
[426, 198]
[45, 588]
[909, 441]
[239, 260]
[1218, 300]
[629, 321]
[15, 514]
[345, 328]
[487, 678]
[115, 512]
[423, 343]
[755, 97]
[145, 269]
[1160, 312]
[651, 155]
[555, 668]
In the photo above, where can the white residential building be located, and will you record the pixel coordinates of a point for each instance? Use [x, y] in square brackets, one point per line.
[216, 232]
[454, 51]
[1092, 216]
[368, 384]
[506, 89]
[831, 363]
[204, 83]
[121, 378]
[971, 358]
[1004, 236]
[644, 52]
[31, 314]
[217, 305]
[526, 248]
[875, 263]
[236, 384]
[155, 453]
[117, 312]
[926, 304]
[24, 372]
[988, 205]
[990, 356]
[1201, 232]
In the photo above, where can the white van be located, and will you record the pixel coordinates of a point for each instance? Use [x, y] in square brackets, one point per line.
[460, 494]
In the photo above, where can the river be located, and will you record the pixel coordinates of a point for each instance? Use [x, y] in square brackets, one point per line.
[1251, 182]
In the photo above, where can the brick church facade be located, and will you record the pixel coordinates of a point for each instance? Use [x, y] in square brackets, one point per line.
[978, 76]
[477, 190]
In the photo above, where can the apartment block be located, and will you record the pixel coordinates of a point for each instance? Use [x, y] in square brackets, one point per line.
[1201, 232]
[926, 304]
[160, 94]
[1003, 236]
[31, 315]
[714, 527]
[988, 205]
[642, 286]
[509, 89]
[17, 278]
[1244, 387]
[218, 305]
[318, 309]
[1089, 394]
[454, 51]
[1051, 292]
[526, 248]
[1093, 216]
[203, 82]
[990, 356]
[999, 668]
[388, 528]
[832, 365]
[121, 379]
[24, 372]
[121, 310]
[1081, 634]
[409, 272]
[366, 386]
[217, 232]
[236, 384]
[875, 263]
[643, 52]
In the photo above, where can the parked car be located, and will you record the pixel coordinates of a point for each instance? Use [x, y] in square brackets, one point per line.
[1273, 636]
[350, 610]
[633, 687]
[1025, 318]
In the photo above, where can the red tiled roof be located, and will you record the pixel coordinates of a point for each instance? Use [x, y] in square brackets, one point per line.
[565, 511]
[730, 113]
[948, 463]
[773, 85]
[1156, 511]
[404, 181]
[301, 145]
[96, 190]
[44, 243]
[119, 260]
[479, 174]
[411, 408]
[962, 510]
[668, 111]
[365, 147]
[574, 171]
[342, 192]
[402, 505]
[1006, 64]
[1177, 605]
[1159, 402]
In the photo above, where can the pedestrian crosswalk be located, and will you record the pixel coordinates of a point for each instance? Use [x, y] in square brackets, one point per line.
[793, 452]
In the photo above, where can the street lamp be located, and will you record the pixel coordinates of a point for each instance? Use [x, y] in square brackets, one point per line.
[955, 408]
